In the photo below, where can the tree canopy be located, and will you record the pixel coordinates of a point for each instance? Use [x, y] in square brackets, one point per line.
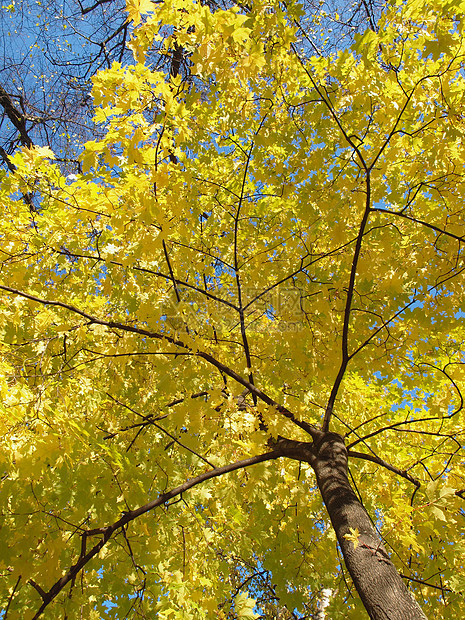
[253, 274]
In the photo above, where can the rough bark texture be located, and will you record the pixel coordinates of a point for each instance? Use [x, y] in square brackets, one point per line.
[378, 583]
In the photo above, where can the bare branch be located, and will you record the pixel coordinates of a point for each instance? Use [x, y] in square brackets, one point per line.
[17, 118]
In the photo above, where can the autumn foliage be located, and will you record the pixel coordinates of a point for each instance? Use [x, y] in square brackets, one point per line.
[267, 243]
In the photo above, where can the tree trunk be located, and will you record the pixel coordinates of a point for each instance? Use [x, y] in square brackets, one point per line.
[383, 593]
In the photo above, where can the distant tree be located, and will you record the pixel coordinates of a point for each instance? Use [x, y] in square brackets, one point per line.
[232, 338]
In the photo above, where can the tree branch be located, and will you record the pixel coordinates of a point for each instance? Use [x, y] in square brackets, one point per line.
[415, 220]
[17, 119]
[309, 428]
[379, 461]
[108, 531]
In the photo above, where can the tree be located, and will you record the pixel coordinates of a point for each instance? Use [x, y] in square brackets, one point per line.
[255, 281]
[51, 51]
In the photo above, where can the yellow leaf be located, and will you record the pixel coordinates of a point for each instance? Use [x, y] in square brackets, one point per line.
[136, 8]
[44, 151]
[353, 536]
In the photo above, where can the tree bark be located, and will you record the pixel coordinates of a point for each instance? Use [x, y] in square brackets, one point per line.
[383, 593]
